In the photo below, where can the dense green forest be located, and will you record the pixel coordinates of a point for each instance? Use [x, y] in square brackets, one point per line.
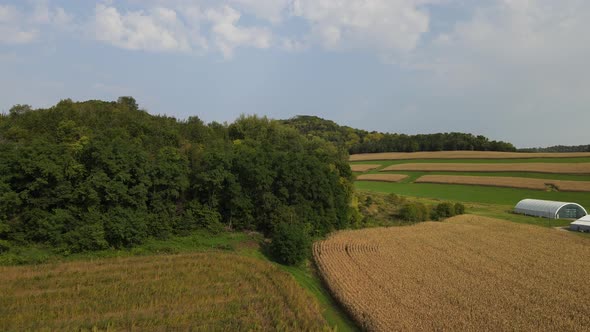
[362, 141]
[92, 175]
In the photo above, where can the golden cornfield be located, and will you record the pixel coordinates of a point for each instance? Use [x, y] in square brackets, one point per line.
[512, 182]
[559, 168]
[382, 177]
[463, 155]
[196, 292]
[469, 273]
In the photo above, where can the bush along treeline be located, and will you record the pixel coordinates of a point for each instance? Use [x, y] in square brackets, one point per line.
[361, 141]
[377, 209]
[83, 176]
[416, 211]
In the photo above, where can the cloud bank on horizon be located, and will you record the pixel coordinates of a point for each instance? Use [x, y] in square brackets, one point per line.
[512, 69]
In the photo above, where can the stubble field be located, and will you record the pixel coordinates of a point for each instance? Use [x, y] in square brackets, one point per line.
[467, 273]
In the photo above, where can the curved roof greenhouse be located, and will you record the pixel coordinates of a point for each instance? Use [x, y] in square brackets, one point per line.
[549, 209]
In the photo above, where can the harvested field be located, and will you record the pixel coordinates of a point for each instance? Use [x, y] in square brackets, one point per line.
[468, 273]
[196, 292]
[382, 177]
[463, 155]
[557, 168]
[363, 167]
[511, 182]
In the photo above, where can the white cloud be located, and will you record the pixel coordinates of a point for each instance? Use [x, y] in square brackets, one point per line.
[12, 30]
[228, 35]
[159, 29]
[22, 27]
[383, 25]
[271, 10]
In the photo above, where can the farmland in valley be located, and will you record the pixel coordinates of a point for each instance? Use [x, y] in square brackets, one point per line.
[467, 273]
[464, 155]
[195, 291]
[511, 182]
[547, 168]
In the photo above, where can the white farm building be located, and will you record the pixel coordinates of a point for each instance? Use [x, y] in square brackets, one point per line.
[582, 224]
[549, 209]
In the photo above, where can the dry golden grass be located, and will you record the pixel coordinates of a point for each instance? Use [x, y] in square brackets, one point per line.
[203, 292]
[511, 182]
[363, 167]
[557, 168]
[381, 177]
[468, 273]
[463, 155]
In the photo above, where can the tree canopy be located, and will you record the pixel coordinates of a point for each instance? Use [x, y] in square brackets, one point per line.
[91, 175]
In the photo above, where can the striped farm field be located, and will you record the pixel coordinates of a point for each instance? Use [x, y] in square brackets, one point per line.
[468, 273]
[463, 155]
[363, 167]
[558, 168]
[511, 182]
[188, 292]
[382, 177]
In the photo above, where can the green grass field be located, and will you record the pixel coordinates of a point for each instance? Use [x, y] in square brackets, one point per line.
[465, 193]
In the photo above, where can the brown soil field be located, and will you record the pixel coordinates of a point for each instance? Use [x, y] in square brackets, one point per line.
[512, 182]
[381, 177]
[363, 167]
[468, 273]
[463, 155]
[557, 168]
[189, 292]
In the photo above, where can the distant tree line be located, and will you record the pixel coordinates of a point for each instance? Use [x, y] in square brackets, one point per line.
[559, 148]
[92, 175]
[361, 141]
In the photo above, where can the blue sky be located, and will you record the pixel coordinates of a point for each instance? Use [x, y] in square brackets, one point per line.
[512, 70]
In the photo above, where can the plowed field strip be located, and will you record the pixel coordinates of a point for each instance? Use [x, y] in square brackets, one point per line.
[363, 167]
[463, 155]
[467, 273]
[382, 177]
[511, 182]
[559, 168]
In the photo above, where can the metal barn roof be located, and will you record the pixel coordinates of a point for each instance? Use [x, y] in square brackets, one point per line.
[550, 209]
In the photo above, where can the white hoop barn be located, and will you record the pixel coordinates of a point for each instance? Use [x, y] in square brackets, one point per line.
[550, 209]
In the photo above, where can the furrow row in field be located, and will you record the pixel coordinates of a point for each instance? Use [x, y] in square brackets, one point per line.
[511, 182]
[363, 167]
[382, 177]
[557, 168]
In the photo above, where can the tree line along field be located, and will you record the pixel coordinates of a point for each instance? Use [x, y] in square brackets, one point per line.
[466, 273]
[465, 155]
[210, 291]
